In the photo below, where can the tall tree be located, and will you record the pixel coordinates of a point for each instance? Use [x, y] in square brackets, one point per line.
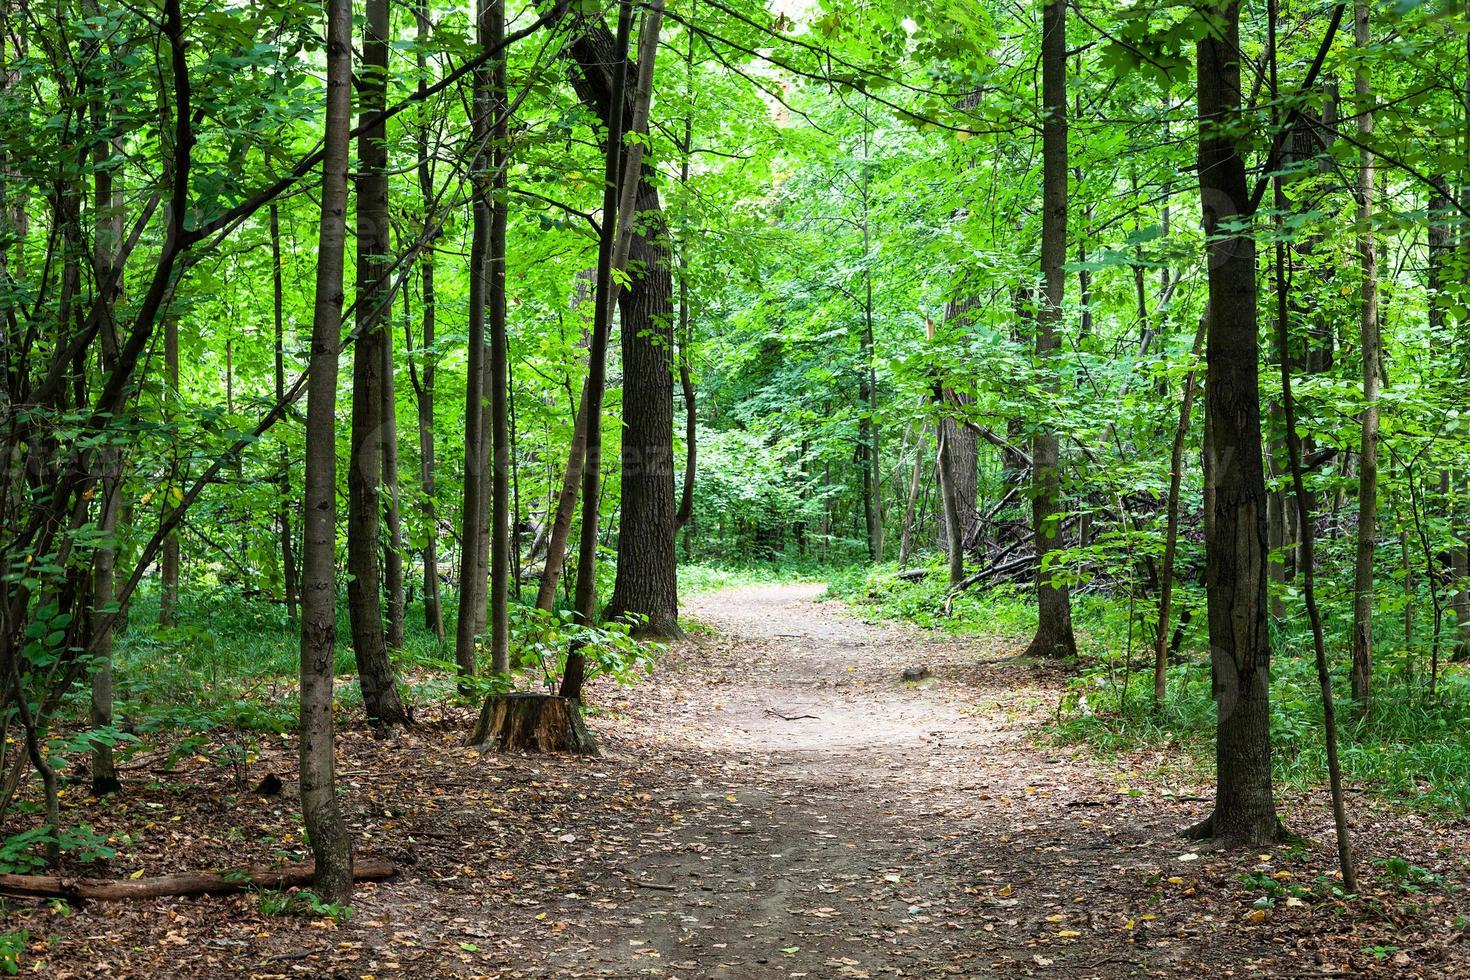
[380, 697]
[423, 383]
[470, 621]
[283, 496]
[1362, 668]
[646, 584]
[499, 612]
[1235, 526]
[1054, 636]
[331, 848]
[575, 676]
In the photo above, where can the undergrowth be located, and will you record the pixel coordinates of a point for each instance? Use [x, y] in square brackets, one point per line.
[1409, 747]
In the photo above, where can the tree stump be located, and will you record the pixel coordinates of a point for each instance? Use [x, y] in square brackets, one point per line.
[533, 723]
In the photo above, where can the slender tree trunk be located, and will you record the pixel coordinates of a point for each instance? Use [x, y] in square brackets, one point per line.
[283, 498]
[616, 61]
[1294, 456]
[964, 448]
[952, 520]
[686, 332]
[331, 847]
[1362, 668]
[108, 233]
[380, 695]
[168, 598]
[499, 613]
[1054, 607]
[393, 587]
[868, 436]
[473, 546]
[921, 459]
[566, 500]
[424, 389]
[1235, 529]
[1171, 525]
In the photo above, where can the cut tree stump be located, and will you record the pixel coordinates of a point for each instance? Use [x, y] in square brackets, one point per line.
[183, 883]
[533, 723]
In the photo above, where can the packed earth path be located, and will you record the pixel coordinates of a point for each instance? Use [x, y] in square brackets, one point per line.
[777, 801]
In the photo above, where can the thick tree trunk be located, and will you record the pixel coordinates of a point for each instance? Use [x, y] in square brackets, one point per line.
[380, 695]
[1362, 668]
[1235, 530]
[646, 585]
[331, 847]
[1054, 606]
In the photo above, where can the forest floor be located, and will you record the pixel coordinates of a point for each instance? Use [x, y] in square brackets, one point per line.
[775, 802]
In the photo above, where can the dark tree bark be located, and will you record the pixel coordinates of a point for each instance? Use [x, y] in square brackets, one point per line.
[646, 585]
[1235, 529]
[380, 695]
[331, 847]
[1054, 606]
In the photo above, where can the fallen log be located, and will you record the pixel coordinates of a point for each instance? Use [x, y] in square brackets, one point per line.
[182, 884]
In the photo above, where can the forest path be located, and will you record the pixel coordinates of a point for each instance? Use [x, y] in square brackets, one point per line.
[802, 812]
[902, 830]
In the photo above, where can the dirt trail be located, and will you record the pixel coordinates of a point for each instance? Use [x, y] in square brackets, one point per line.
[814, 816]
[775, 802]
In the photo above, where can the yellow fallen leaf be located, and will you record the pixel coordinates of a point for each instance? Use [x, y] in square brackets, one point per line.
[1003, 892]
[1256, 915]
[1176, 881]
[1069, 934]
[136, 874]
[1055, 918]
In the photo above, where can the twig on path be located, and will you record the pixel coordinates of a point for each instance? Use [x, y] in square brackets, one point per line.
[773, 712]
[656, 886]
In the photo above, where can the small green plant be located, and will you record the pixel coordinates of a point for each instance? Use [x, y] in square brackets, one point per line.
[304, 903]
[1408, 878]
[12, 945]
